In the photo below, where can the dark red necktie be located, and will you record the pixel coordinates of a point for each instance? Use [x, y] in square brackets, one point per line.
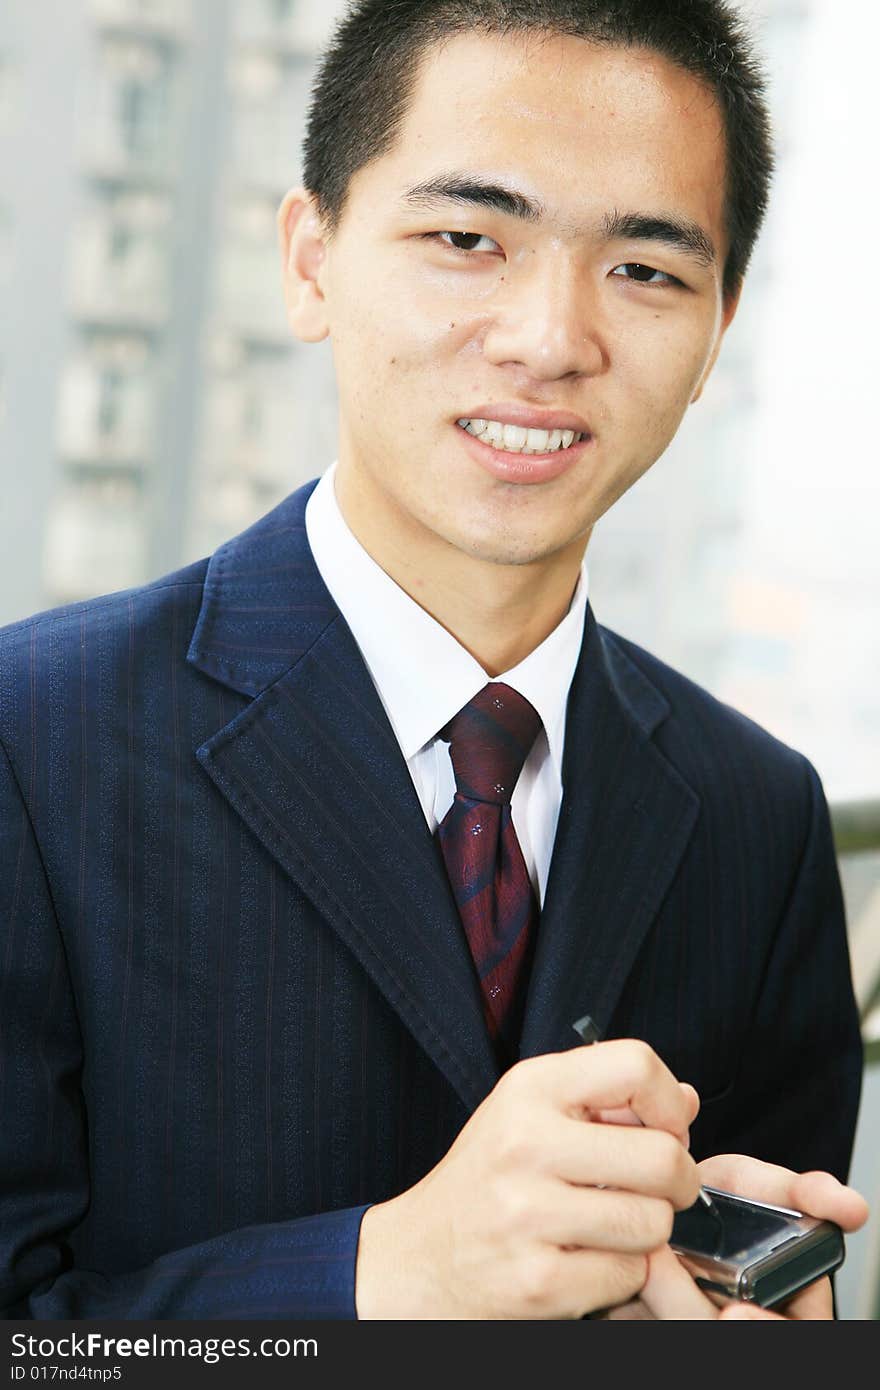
[489, 740]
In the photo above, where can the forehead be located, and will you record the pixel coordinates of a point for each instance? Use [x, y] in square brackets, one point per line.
[579, 124]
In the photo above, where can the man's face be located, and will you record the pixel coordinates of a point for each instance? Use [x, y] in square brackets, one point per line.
[578, 313]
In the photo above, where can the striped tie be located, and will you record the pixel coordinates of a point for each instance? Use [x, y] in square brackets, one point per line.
[489, 740]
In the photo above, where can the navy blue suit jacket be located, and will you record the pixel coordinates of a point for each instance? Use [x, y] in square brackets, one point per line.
[236, 1001]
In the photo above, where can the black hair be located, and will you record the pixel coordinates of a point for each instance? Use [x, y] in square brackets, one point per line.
[368, 72]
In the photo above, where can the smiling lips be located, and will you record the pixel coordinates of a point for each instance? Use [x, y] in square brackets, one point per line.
[510, 427]
[513, 452]
[516, 439]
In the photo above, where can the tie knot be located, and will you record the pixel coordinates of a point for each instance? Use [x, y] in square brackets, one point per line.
[489, 740]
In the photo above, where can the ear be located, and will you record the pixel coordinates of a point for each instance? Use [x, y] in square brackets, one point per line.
[730, 306]
[303, 247]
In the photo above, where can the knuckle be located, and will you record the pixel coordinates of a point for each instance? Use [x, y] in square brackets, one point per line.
[507, 1082]
[669, 1155]
[638, 1223]
[516, 1149]
[525, 1070]
[617, 1279]
[610, 1278]
[623, 1221]
[674, 1163]
[522, 1076]
[629, 1275]
[514, 1208]
[688, 1177]
[537, 1279]
[644, 1059]
[659, 1222]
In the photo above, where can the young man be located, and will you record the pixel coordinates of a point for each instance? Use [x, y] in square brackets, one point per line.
[312, 854]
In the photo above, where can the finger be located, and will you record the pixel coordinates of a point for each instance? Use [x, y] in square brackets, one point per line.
[748, 1312]
[622, 1072]
[623, 1115]
[669, 1292]
[817, 1193]
[587, 1218]
[632, 1311]
[647, 1161]
[692, 1100]
[822, 1195]
[597, 1280]
[546, 1282]
[619, 1115]
[813, 1304]
[737, 1172]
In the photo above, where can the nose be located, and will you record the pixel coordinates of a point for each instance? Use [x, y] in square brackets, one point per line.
[548, 319]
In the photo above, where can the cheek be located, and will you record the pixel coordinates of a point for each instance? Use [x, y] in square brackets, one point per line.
[386, 340]
[415, 313]
[663, 376]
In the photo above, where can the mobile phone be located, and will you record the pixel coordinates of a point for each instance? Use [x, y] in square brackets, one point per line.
[754, 1252]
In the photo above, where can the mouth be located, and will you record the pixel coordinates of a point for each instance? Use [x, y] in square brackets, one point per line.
[517, 439]
[524, 453]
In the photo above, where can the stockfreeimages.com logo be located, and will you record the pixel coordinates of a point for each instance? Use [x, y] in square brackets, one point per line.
[207, 1349]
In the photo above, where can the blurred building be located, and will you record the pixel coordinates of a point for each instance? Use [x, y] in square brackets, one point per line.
[153, 399]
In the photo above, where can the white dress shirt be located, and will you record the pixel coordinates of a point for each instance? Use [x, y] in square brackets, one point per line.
[423, 676]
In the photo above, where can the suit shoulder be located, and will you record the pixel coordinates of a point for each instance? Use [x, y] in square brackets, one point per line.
[147, 605]
[705, 732]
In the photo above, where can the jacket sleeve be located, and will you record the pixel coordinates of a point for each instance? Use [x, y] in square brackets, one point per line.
[291, 1269]
[796, 1096]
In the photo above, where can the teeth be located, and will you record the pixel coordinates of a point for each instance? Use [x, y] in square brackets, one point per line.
[512, 436]
[515, 439]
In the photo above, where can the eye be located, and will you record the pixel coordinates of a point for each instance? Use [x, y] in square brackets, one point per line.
[459, 236]
[644, 274]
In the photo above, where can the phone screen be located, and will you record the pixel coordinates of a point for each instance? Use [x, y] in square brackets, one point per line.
[742, 1227]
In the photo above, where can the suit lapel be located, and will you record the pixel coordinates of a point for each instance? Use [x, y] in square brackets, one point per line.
[625, 821]
[314, 769]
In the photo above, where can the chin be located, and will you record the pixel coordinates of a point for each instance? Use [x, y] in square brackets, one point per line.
[494, 551]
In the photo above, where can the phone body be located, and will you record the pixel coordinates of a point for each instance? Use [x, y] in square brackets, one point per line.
[757, 1252]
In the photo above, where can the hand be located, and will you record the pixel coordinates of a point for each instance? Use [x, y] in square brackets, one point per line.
[548, 1202]
[817, 1194]
[670, 1292]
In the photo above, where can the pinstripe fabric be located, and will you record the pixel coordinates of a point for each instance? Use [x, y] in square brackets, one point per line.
[236, 1000]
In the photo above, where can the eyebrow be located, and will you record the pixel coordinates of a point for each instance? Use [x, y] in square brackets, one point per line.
[464, 188]
[680, 233]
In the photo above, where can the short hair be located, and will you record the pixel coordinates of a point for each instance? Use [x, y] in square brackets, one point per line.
[367, 75]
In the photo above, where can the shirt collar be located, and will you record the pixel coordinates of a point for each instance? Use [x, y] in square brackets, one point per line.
[423, 675]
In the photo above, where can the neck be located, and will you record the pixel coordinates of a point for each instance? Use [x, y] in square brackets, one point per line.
[498, 612]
